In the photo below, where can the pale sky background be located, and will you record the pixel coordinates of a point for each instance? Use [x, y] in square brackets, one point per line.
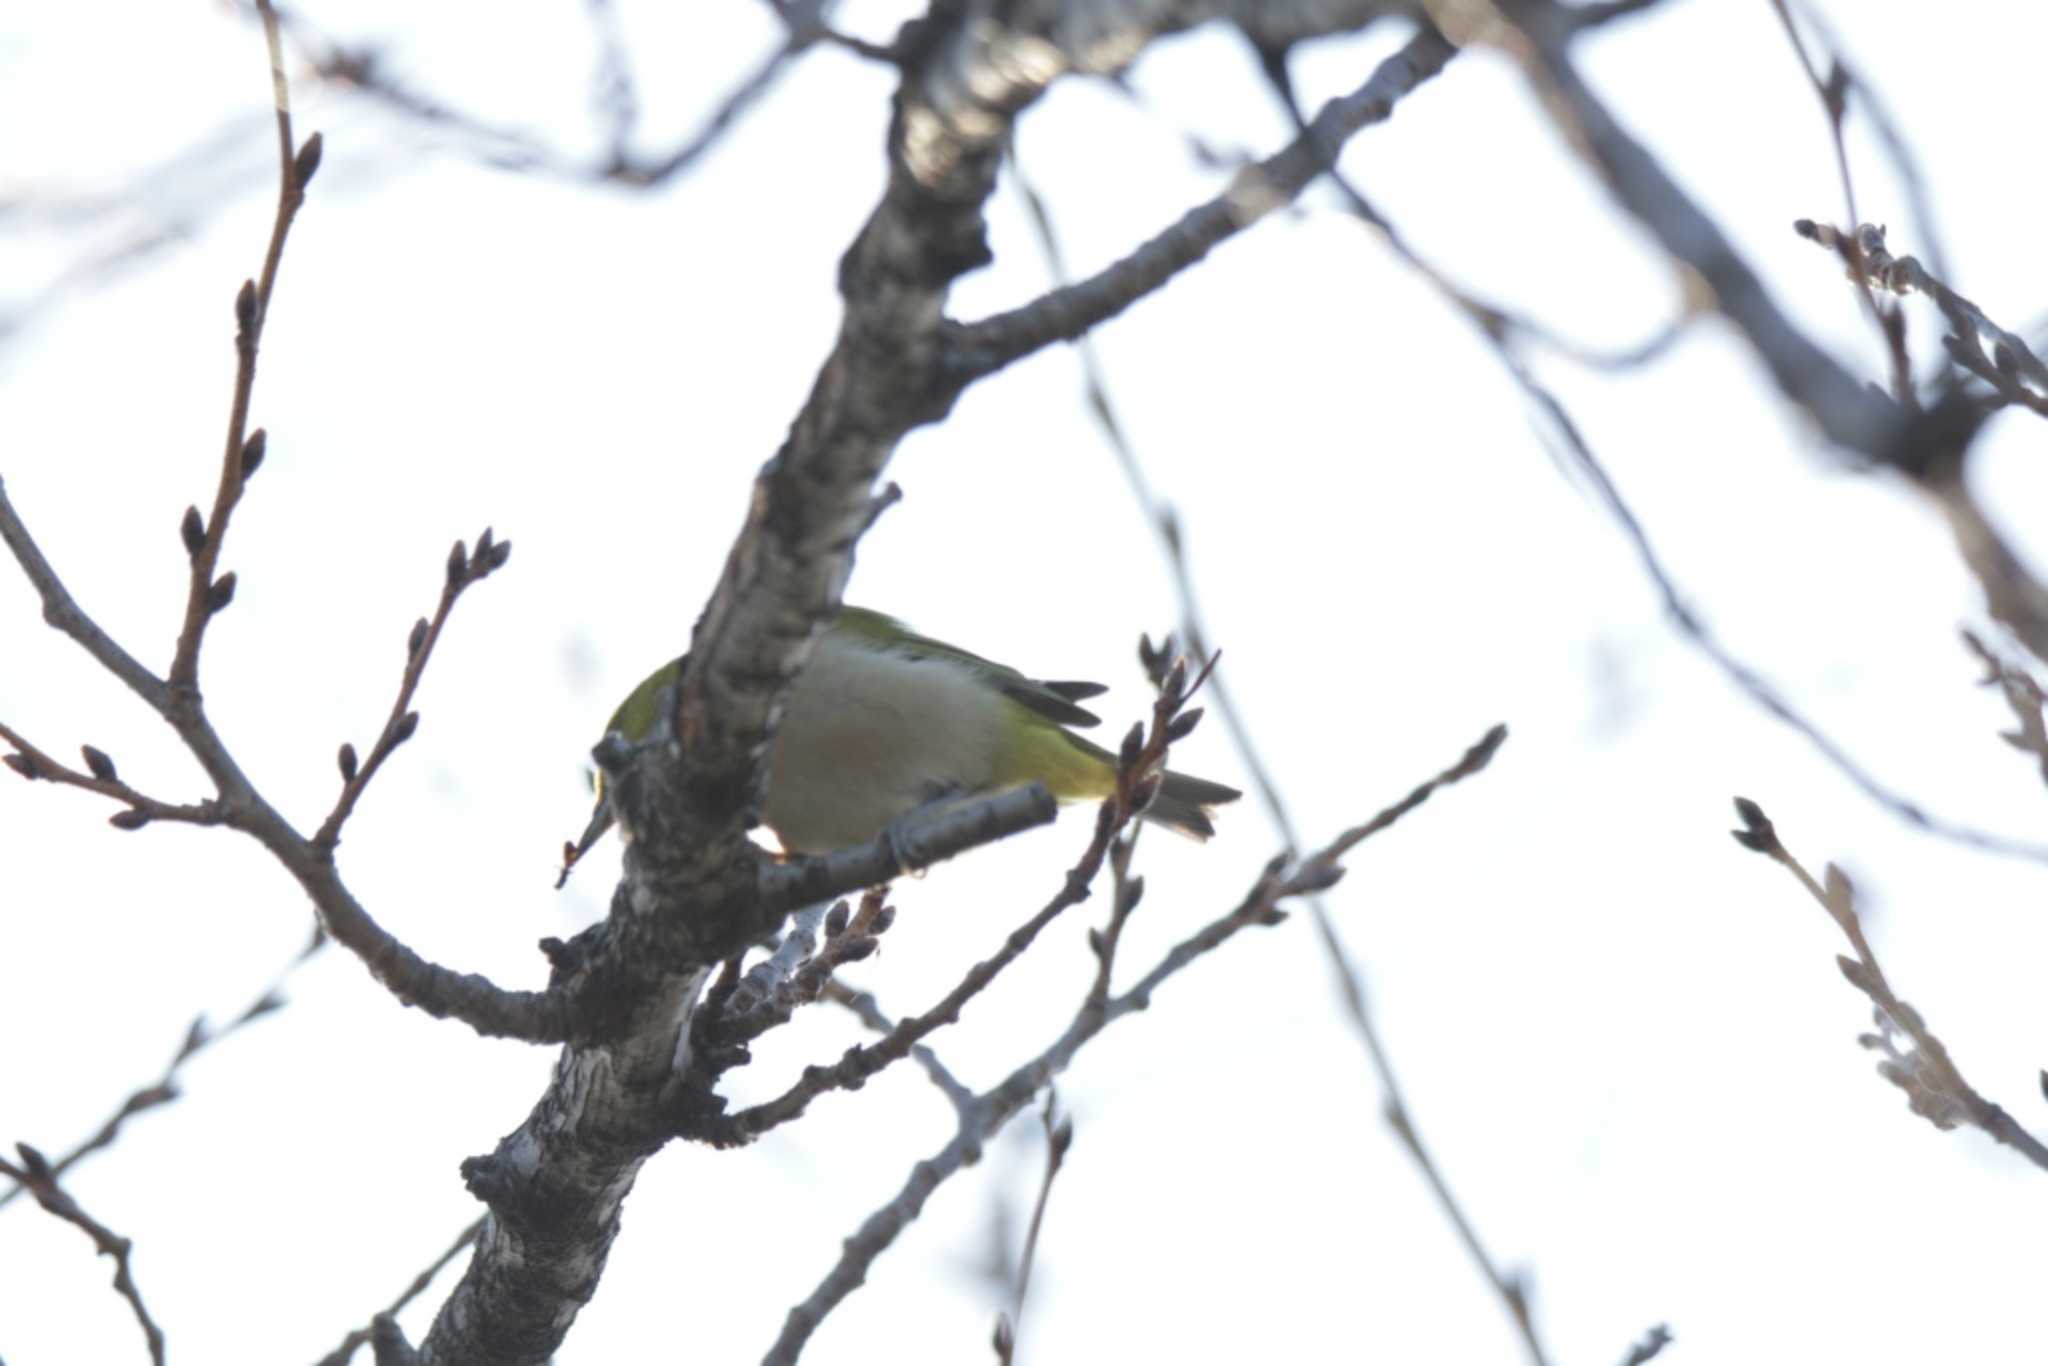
[1624, 1037]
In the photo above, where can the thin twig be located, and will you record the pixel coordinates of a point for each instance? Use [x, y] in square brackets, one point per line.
[137, 808]
[870, 1013]
[1907, 167]
[1648, 1347]
[1934, 1087]
[1500, 331]
[1691, 625]
[2010, 364]
[1142, 758]
[1351, 987]
[2022, 695]
[359, 1337]
[362, 71]
[198, 1037]
[1067, 312]
[205, 595]
[1284, 878]
[1059, 1137]
[464, 568]
[40, 1179]
[1833, 94]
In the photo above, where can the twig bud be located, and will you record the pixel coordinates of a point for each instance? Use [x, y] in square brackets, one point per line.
[835, 920]
[1183, 725]
[193, 531]
[1858, 975]
[23, 765]
[307, 162]
[221, 594]
[197, 1036]
[1757, 833]
[102, 767]
[1153, 658]
[1061, 1139]
[347, 760]
[252, 452]
[245, 306]
[407, 724]
[38, 1166]
[1176, 684]
[458, 565]
[134, 818]
[417, 639]
[1134, 743]
[1134, 892]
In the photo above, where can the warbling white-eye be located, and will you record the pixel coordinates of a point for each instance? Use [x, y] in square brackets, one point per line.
[882, 721]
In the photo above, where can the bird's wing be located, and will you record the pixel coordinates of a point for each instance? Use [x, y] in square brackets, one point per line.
[1054, 701]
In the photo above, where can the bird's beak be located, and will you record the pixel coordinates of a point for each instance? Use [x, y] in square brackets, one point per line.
[600, 821]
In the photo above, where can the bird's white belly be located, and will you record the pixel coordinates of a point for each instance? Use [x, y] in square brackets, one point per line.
[869, 736]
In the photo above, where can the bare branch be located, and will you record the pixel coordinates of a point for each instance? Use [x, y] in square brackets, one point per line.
[36, 1174]
[1935, 1089]
[137, 808]
[1844, 409]
[1872, 106]
[341, 1355]
[1071, 310]
[464, 568]
[1833, 93]
[1143, 757]
[1760, 690]
[1649, 1347]
[870, 1013]
[198, 1037]
[62, 611]
[412, 979]
[1282, 879]
[1350, 982]
[2022, 695]
[2009, 365]
[361, 70]
[206, 595]
[1059, 1136]
[1981, 545]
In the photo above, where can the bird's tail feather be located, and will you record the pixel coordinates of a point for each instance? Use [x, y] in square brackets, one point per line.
[1183, 804]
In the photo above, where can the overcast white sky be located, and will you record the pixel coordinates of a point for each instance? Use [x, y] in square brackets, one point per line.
[1623, 1036]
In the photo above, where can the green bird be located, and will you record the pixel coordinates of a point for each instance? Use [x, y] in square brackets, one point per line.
[882, 721]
